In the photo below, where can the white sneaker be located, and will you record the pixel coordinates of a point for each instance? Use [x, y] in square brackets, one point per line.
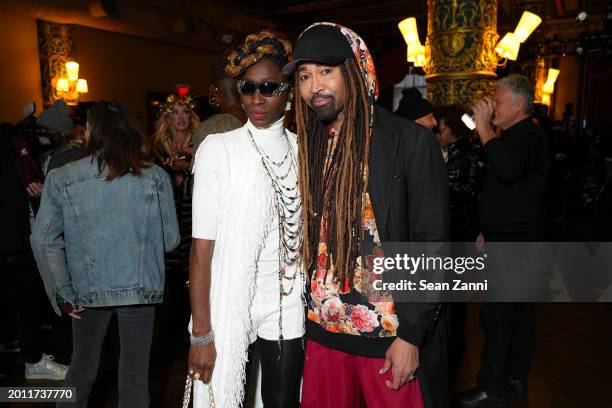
[46, 369]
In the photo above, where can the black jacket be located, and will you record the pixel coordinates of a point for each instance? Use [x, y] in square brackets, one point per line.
[408, 187]
[14, 204]
[465, 176]
[513, 199]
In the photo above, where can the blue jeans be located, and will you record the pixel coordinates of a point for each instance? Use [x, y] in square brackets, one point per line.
[135, 334]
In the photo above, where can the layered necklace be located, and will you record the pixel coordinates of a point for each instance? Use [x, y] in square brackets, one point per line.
[288, 206]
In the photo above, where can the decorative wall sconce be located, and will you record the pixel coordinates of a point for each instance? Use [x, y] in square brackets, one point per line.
[70, 88]
[508, 47]
[415, 51]
[549, 85]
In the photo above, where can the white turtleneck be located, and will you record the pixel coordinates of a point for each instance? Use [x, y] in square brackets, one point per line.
[271, 138]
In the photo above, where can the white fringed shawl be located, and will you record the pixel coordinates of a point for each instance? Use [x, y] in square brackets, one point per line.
[245, 215]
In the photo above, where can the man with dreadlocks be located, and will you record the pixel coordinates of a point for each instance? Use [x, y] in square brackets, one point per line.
[366, 177]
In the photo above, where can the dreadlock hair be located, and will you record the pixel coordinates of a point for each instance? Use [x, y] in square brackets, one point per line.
[257, 46]
[335, 192]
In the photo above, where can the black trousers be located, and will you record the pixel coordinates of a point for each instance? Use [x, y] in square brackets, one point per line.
[509, 330]
[19, 278]
[280, 372]
[509, 336]
[135, 335]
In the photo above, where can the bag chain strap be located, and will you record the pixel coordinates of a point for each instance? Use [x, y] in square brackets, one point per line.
[188, 391]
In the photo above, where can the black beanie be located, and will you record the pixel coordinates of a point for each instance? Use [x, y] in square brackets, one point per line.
[412, 105]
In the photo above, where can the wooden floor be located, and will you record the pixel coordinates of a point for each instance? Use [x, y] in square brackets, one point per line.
[572, 361]
[572, 364]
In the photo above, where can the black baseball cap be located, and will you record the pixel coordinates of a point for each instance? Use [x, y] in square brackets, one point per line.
[321, 43]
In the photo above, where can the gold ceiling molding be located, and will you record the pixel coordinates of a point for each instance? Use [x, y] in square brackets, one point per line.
[462, 75]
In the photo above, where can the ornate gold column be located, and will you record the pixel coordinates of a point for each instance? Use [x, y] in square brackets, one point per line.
[461, 61]
[55, 48]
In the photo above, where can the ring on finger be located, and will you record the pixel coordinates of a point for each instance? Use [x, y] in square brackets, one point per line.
[411, 378]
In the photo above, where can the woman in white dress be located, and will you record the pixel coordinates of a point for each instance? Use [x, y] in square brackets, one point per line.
[246, 276]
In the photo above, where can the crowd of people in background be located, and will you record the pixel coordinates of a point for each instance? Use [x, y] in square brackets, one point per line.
[134, 201]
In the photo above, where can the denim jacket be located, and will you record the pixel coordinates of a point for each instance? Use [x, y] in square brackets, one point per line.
[101, 243]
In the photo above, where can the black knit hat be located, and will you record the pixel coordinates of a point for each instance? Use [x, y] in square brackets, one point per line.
[412, 105]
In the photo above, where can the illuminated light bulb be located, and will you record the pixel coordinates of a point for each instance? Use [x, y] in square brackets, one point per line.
[420, 59]
[408, 27]
[62, 85]
[414, 49]
[81, 86]
[508, 47]
[526, 25]
[552, 75]
[72, 68]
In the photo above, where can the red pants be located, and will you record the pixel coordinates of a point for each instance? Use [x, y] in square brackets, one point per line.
[333, 379]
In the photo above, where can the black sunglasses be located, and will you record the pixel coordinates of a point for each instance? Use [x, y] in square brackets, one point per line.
[267, 89]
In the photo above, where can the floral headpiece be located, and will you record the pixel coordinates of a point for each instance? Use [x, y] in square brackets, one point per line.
[170, 105]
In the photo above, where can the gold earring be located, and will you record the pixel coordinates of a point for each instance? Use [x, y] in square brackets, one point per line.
[213, 98]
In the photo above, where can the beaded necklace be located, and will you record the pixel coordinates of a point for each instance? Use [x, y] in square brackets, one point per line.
[290, 225]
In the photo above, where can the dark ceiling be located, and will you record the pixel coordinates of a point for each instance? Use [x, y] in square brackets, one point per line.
[376, 20]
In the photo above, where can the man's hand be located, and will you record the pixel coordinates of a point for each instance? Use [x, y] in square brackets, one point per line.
[70, 311]
[403, 360]
[202, 361]
[34, 189]
[483, 113]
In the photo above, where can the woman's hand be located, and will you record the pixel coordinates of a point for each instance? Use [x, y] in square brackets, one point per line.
[70, 311]
[202, 361]
[34, 189]
[180, 165]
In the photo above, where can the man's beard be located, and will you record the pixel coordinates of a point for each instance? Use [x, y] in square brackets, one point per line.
[326, 113]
